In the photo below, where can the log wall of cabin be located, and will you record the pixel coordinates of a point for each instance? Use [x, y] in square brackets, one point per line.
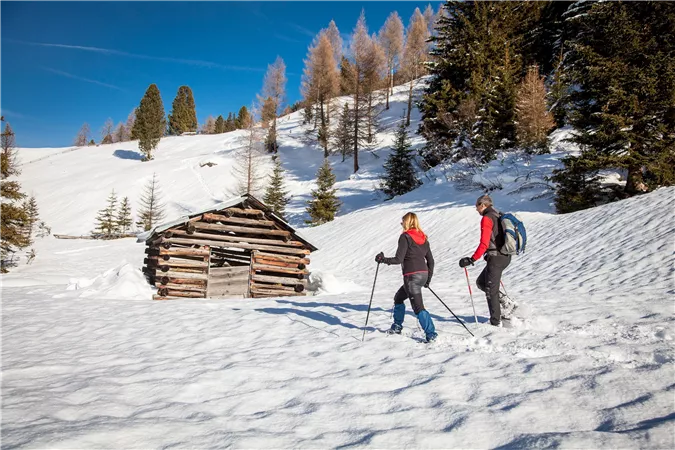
[234, 252]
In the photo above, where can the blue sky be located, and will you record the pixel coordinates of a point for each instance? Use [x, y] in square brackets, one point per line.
[64, 63]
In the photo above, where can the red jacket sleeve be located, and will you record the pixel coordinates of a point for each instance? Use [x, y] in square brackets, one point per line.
[485, 235]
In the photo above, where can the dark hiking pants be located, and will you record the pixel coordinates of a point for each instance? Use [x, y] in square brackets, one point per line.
[488, 282]
[412, 289]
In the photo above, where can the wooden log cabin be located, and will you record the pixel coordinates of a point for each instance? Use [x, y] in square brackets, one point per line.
[236, 249]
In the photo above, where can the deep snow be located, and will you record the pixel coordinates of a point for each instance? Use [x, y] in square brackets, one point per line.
[89, 361]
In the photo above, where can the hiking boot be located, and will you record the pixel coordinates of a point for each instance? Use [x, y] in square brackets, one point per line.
[507, 306]
[395, 329]
[431, 337]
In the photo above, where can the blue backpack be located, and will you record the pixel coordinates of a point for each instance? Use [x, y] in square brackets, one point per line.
[515, 237]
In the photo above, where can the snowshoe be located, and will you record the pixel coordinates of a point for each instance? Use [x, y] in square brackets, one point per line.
[395, 329]
[508, 306]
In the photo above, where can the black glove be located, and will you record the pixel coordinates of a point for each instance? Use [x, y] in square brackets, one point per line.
[466, 261]
[426, 285]
[379, 258]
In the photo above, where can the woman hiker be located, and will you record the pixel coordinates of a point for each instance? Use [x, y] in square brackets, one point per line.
[414, 254]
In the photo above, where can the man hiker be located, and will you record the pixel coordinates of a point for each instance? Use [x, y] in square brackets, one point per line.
[491, 239]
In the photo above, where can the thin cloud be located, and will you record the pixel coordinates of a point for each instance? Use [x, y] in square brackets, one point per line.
[10, 113]
[108, 51]
[75, 77]
[287, 39]
[303, 30]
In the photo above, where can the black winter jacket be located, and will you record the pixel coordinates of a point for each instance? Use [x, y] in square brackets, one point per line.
[413, 253]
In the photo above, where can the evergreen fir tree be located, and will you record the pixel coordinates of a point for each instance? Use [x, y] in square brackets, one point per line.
[230, 124]
[151, 211]
[220, 125]
[91, 143]
[243, 118]
[558, 96]
[33, 216]
[271, 144]
[123, 219]
[13, 216]
[578, 184]
[276, 197]
[268, 112]
[106, 224]
[400, 177]
[183, 116]
[324, 204]
[621, 61]
[343, 137]
[150, 122]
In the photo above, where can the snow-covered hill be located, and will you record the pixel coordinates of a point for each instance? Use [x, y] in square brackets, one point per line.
[89, 361]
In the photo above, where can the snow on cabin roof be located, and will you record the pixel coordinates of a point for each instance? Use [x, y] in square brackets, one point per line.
[147, 235]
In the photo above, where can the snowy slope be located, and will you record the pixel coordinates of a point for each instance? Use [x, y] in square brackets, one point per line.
[88, 361]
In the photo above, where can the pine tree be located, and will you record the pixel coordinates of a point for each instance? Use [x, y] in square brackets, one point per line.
[324, 204]
[559, 89]
[209, 126]
[274, 88]
[533, 119]
[151, 210]
[107, 132]
[219, 125]
[13, 216]
[621, 62]
[121, 133]
[415, 53]
[400, 177]
[106, 224]
[247, 162]
[320, 83]
[132, 130]
[391, 39]
[150, 122]
[276, 197]
[123, 221]
[368, 62]
[183, 116]
[344, 134]
[91, 143]
[82, 136]
[347, 77]
[230, 123]
[267, 112]
[243, 119]
[30, 206]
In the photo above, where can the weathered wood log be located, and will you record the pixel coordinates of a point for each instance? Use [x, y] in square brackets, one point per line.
[167, 293]
[218, 271]
[259, 293]
[174, 262]
[285, 258]
[185, 275]
[262, 285]
[275, 263]
[224, 283]
[164, 279]
[190, 228]
[270, 248]
[183, 251]
[272, 268]
[230, 238]
[238, 220]
[245, 212]
[183, 287]
[245, 230]
[288, 281]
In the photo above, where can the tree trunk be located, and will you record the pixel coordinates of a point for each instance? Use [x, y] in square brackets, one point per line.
[407, 120]
[324, 127]
[387, 90]
[634, 182]
[356, 125]
[370, 117]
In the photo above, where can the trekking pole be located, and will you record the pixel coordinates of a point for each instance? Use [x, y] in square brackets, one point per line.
[468, 283]
[504, 287]
[458, 320]
[370, 303]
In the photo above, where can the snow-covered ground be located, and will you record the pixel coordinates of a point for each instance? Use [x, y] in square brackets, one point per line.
[89, 361]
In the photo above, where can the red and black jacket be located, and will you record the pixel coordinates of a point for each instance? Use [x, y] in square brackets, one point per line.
[491, 240]
[413, 253]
